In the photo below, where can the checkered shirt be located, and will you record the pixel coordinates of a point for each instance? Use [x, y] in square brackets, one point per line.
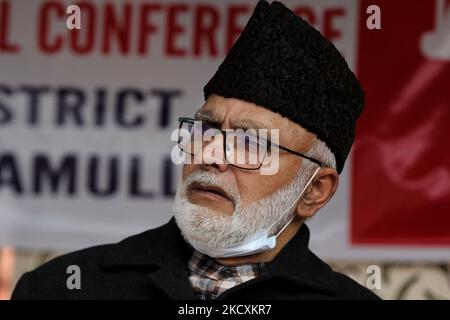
[209, 279]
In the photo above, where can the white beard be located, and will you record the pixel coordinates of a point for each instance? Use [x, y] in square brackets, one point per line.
[213, 229]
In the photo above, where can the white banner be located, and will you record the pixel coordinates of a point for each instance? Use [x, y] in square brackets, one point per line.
[86, 116]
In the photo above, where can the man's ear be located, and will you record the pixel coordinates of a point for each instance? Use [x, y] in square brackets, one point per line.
[318, 193]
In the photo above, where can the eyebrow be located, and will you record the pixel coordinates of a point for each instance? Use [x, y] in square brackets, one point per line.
[211, 118]
[207, 116]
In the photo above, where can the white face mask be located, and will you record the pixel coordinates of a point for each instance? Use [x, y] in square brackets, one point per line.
[260, 241]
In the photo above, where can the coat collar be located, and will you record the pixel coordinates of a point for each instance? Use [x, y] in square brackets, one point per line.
[297, 263]
[151, 248]
[164, 255]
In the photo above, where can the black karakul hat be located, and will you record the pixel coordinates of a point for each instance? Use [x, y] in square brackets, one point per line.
[285, 65]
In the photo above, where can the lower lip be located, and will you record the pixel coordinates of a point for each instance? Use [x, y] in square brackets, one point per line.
[210, 195]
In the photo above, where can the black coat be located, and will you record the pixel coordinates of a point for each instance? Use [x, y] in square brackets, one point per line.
[153, 265]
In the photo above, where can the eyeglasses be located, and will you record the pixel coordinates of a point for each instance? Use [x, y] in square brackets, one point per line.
[242, 149]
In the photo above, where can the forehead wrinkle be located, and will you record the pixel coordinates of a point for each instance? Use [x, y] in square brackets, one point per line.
[245, 124]
[206, 114]
[286, 133]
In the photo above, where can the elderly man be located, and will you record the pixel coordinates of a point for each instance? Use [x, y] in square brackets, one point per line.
[238, 233]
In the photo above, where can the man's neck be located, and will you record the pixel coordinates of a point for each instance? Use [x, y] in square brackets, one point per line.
[269, 255]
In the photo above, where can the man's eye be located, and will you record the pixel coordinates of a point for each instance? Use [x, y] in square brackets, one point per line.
[264, 145]
[268, 145]
[247, 143]
[253, 143]
[207, 126]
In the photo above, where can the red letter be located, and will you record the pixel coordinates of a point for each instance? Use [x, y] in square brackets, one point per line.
[174, 29]
[5, 45]
[145, 27]
[88, 28]
[43, 27]
[328, 31]
[120, 30]
[234, 30]
[205, 31]
[306, 13]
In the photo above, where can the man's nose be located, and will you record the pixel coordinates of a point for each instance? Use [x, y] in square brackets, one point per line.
[213, 153]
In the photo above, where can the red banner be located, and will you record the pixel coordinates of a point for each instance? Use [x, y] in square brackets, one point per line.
[401, 172]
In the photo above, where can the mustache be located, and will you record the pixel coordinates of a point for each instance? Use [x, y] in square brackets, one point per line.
[206, 179]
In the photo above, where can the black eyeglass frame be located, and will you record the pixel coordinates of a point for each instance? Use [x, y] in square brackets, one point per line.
[181, 120]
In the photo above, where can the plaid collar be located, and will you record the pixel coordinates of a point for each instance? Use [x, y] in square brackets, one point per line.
[209, 279]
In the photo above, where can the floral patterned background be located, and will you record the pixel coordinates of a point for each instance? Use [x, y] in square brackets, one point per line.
[403, 281]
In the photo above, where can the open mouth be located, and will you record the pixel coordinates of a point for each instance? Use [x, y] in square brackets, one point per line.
[212, 192]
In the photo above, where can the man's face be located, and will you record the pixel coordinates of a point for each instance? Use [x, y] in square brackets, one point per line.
[230, 113]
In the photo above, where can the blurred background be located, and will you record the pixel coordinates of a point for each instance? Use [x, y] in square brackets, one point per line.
[86, 118]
